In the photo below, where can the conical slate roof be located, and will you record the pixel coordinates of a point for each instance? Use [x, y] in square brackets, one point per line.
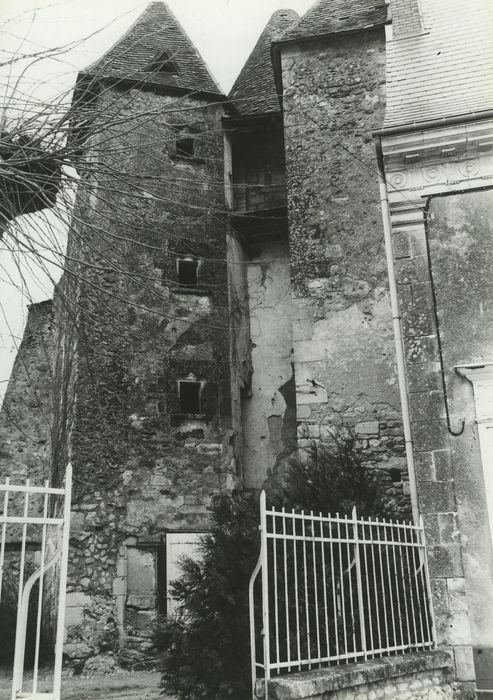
[254, 91]
[156, 51]
[332, 16]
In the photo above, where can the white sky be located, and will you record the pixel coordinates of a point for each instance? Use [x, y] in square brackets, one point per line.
[224, 31]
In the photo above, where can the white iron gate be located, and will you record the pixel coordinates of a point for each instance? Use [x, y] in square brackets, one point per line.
[335, 589]
[35, 522]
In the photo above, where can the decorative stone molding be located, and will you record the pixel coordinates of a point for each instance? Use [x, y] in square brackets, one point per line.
[438, 161]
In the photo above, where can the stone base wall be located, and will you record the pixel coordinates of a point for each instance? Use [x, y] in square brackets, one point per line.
[423, 675]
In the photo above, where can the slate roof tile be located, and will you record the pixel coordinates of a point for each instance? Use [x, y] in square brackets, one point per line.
[156, 30]
[254, 91]
[332, 16]
[445, 71]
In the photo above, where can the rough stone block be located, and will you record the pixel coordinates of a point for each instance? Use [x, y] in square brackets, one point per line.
[436, 496]
[367, 428]
[432, 531]
[426, 405]
[302, 330]
[401, 245]
[74, 616]
[423, 377]
[464, 664]
[430, 435]
[453, 629]
[445, 561]
[425, 466]
[456, 589]
[418, 323]
[77, 599]
[412, 270]
[443, 467]
[439, 594]
[420, 349]
[448, 528]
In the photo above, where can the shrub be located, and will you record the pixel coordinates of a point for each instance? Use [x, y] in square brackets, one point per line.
[205, 646]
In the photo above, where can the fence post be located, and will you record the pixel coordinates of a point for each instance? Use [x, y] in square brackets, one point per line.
[359, 582]
[265, 589]
[60, 628]
[423, 550]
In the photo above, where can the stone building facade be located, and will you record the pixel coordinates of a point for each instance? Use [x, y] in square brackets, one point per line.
[231, 294]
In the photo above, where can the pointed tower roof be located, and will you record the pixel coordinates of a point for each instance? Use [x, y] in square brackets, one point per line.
[254, 91]
[333, 16]
[156, 51]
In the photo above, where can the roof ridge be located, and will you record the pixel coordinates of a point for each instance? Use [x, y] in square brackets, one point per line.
[156, 29]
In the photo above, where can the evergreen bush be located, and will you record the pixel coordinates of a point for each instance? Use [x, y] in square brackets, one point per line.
[205, 645]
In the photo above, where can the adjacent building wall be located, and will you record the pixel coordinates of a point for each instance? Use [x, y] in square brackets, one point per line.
[333, 95]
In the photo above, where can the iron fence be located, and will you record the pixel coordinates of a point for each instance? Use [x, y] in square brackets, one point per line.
[34, 539]
[333, 589]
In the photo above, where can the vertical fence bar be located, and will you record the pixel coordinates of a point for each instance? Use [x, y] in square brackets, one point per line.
[359, 582]
[19, 645]
[374, 576]
[341, 569]
[350, 583]
[296, 597]
[369, 626]
[40, 593]
[389, 580]
[276, 597]
[334, 592]
[404, 592]
[315, 585]
[57, 673]
[324, 583]
[4, 531]
[408, 532]
[420, 589]
[397, 591]
[286, 593]
[430, 618]
[386, 620]
[305, 578]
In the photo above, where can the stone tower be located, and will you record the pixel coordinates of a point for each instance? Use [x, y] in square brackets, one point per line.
[143, 400]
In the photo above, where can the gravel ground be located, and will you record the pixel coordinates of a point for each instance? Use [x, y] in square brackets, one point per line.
[121, 685]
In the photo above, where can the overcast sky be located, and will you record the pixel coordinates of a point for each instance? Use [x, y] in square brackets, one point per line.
[224, 31]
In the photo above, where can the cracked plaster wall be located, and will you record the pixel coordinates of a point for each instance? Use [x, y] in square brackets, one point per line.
[269, 418]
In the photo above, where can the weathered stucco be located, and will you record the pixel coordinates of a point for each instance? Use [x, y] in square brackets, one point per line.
[269, 418]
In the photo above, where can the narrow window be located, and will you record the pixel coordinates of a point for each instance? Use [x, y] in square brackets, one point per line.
[185, 147]
[162, 63]
[188, 272]
[189, 395]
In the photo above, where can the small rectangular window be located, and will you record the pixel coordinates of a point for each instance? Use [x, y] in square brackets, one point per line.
[185, 147]
[188, 272]
[189, 395]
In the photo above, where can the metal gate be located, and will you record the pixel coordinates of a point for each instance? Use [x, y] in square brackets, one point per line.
[34, 542]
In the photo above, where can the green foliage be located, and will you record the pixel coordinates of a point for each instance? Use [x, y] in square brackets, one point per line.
[332, 477]
[205, 647]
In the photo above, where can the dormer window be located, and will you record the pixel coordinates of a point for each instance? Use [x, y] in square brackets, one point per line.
[162, 63]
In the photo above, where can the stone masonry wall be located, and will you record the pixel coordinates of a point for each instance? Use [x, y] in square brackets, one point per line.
[418, 676]
[26, 414]
[141, 467]
[334, 95]
[443, 259]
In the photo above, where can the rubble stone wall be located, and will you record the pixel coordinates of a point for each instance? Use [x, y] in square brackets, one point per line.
[333, 96]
